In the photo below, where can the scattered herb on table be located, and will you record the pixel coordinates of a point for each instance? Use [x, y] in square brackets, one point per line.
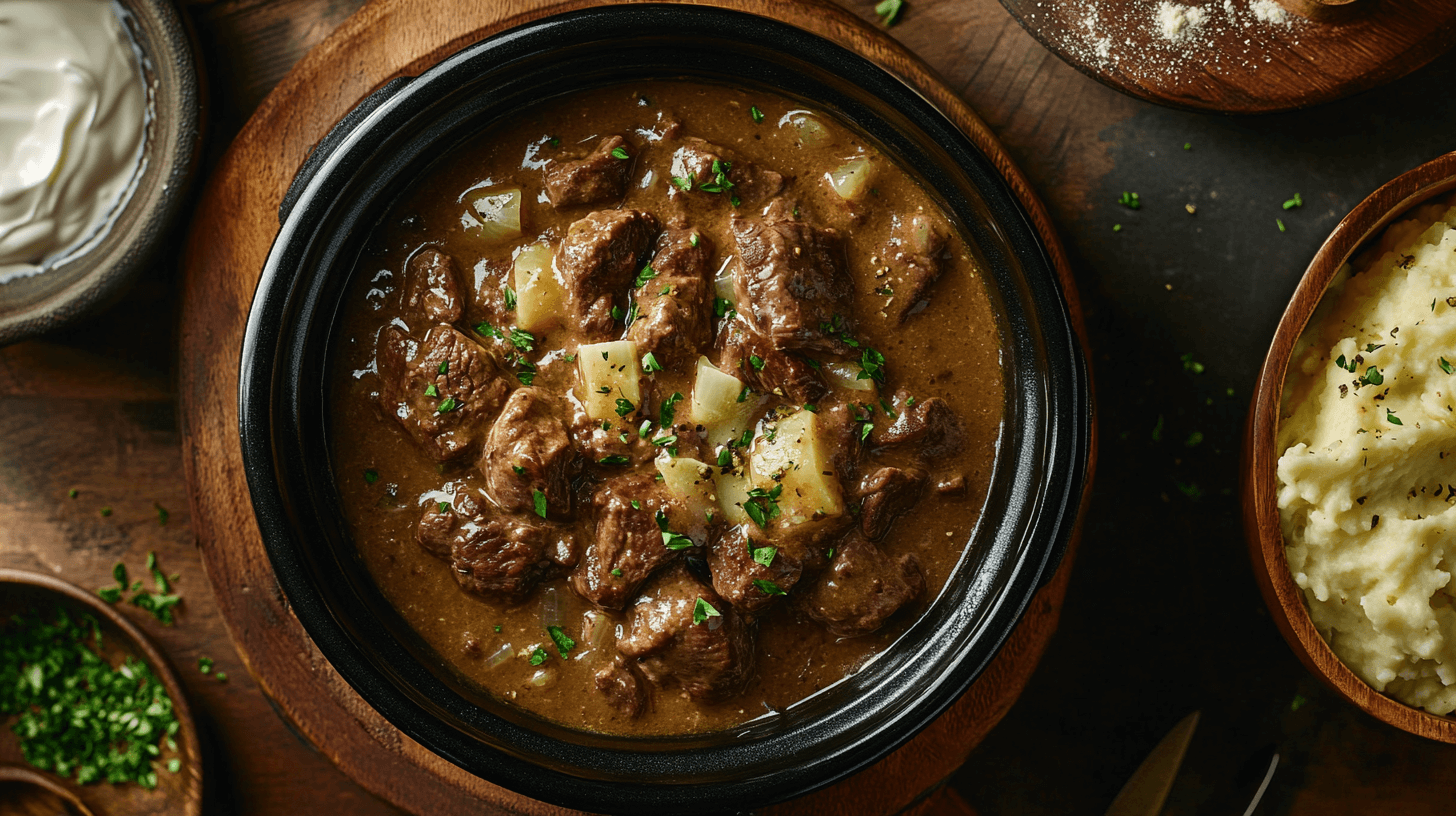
[1280, 223]
[1294, 202]
[159, 602]
[1130, 200]
[1191, 365]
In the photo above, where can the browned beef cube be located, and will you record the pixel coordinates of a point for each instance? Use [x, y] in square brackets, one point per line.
[628, 545]
[432, 287]
[930, 423]
[674, 320]
[914, 250]
[747, 355]
[599, 178]
[598, 260]
[528, 451]
[750, 571]
[601, 442]
[505, 557]
[623, 686]
[710, 659]
[861, 589]
[887, 494]
[444, 390]
[791, 281]
[708, 168]
[436, 530]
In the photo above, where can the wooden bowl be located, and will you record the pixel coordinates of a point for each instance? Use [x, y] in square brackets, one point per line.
[178, 794]
[1260, 504]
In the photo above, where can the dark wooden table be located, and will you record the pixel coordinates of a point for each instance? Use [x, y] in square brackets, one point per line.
[1162, 616]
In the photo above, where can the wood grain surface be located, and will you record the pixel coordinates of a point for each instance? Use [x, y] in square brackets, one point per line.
[1239, 56]
[229, 241]
[1261, 453]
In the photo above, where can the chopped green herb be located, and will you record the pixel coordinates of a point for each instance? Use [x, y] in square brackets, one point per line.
[1130, 200]
[636, 505]
[1117, 228]
[1369, 347]
[871, 366]
[669, 409]
[889, 11]
[617, 572]
[106, 511]
[221, 677]
[162, 515]
[1191, 365]
[443, 507]
[811, 408]
[606, 389]
[570, 358]
[763, 505]
[554, 141]
[110, 595]
[520, 471]
[865, 429]
[431, 390]
[670, 439]
[1294, 202]
[1392, 418]
[563, 641]
[614, 459]
[486, 330]
[1187, 145]
[617, 314]
[1445, 365]
[1372, 376]
[624, 407]
[523, 340]
[755, 114]
[743, 395]
[692, 239]
[539, 656]
[756, 361]
[510, 299]
[74, 493]
[721, 306]
[539, 500]
[647, 274]
[650, 364]
[1191, 490]
[1194, 439]
[763, 555]
[684, 184]
[446, 405]
[702, 610]
[725, 457]
[1280, 224]
[734, 200]
[620, 153]
[768, 587]
[1298, 702]
[497, 627]
[204, 665]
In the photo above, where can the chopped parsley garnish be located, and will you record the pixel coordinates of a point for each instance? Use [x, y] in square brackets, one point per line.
[636, 505]
[721, 306]
[446, 405]
[669, 409]
[371, 476]
[617, 314]
[1194, 439]
[768, 587]
[1445, 365]
[563, 641]
[889, 410]
[865, 429]
[725, 457]
[486, 330]
[1392, 418]
[443, 507]
[720, 181]
[763, 505]
[734, 200]
[520, 471]
[444, 367]
[693, 240]
[743, 395]
[702, 610]
[539, 656]
[554, 141]
[811, 408]
[523, 340]
[1130, 200]
[159, 602]
[1372, 376]
[755, 114]
[650, 364]
[73, 493]
[162, 515]
[570, 358]
[77, 713]
[617, 572]
[613, 459]
[1294, 202]
[872, 366]
[1340, 361]
[813, 363]
[539, 500]
[1369, 347]
[204, 665]
[1280, 223]
[431, 390]
[606, 389]
[1191, 365]
[1187, 145]
[620, 152]
[671, 439]
[763, 555]
[510, 299]
[684, 184]
[647, 274]
[889, 11]
[756, 361]
[671, 540]
[624, 407]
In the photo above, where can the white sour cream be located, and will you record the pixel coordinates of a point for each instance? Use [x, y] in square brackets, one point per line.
[73, 120]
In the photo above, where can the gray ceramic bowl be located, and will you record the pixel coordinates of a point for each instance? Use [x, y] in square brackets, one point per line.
[43, 302]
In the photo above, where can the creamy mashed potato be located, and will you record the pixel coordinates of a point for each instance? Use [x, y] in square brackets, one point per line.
[1365, 481]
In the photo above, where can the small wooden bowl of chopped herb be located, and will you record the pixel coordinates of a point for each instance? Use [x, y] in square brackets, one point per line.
[128, 744]
[1360, 236]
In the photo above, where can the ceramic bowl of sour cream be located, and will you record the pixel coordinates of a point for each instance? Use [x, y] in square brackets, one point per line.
[99, 134]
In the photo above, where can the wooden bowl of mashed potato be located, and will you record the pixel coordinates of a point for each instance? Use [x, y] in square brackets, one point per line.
[1350, 458]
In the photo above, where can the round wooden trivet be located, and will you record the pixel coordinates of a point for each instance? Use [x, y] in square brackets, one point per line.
[1241, 56]
[228, 244]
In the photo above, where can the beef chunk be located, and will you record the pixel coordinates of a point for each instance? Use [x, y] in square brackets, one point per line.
[598, 261]
[740, 575]
[951, 484]
[747, 355]
[505, 557]
[862, 588]
[432, 287]
[711, 660]
[887, 494]
[623, 686]
[673, 309]
[628, 545]
[444, 391]
[929, 423]
[603, 445]
[528, 450]
[600, 178]
[791, 281]
[914, 250]
[702, 164]
[436, 530]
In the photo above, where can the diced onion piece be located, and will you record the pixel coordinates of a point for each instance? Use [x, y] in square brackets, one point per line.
[499, 656]
[851, 179]
[609, 372]
[715, 403]
[597, 628]
[732, 489]
[690, 482]
[799, 458]
[545, 677]
[493, 214]
[723, 280]
[540, 297]
[550, 607]
[846, 375]
[807, 127]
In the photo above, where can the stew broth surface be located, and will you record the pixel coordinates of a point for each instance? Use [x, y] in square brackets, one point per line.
[950, 350]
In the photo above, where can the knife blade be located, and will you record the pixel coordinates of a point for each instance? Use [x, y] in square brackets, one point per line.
[1147, 788]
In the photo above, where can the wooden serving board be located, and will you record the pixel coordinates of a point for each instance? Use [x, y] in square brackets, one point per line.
[1242, 56]
[229, 241]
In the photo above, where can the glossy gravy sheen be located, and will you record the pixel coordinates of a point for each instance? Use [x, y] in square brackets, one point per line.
[950, 350]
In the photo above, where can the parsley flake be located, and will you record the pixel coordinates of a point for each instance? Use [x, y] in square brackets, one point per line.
[702, 610]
